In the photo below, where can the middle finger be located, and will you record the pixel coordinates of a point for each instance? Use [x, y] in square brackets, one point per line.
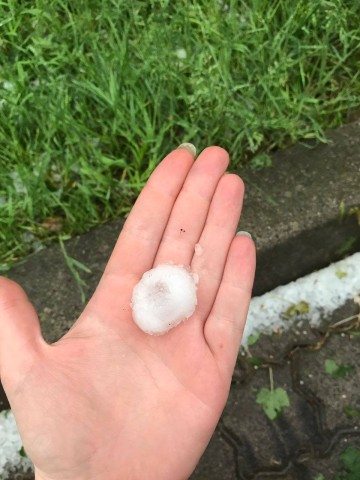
[191, 207]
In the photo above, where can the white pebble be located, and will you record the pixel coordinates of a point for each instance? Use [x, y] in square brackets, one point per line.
[181, 53]
[165, 296]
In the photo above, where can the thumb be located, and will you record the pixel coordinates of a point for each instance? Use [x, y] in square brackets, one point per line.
[20, 334]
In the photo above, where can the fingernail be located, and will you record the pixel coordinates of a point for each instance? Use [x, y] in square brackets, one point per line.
[188, 146]
[245, 234]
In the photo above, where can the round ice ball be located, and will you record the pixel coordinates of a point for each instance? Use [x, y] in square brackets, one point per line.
[164, 297]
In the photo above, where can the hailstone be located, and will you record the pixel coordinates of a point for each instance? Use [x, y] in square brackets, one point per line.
[165, 296]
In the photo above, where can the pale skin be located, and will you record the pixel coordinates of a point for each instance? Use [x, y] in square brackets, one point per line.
[108, 401]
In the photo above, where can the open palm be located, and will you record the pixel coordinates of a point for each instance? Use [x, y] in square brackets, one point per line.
[108, 401]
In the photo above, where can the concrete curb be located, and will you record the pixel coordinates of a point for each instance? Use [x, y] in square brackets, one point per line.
[298, 209]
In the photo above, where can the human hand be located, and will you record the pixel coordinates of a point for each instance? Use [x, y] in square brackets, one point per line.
[108, 401]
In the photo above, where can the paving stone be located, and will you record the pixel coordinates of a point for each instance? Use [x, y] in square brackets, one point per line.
[328, 465]
[219, 460]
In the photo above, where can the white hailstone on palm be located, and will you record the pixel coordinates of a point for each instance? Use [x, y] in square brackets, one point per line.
[164, 297]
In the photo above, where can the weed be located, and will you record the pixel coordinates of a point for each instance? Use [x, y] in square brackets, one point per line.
[337, 371]
[272, 400]
[351, 412]
[349, 464]
[300, 308]
[262, 160]
[253, 338]
[74, 265]
[340, 273]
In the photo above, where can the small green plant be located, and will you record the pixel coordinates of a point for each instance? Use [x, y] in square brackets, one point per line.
[300, 308]
[319, 476]
[254, 361]
[272, 400]
[340, 273]
[349, 464]
[352, 211]
[353, 333]
[263, 160]
[351, 412]
[342, 211]
[22, 452]
[337, 371]
[253, 338]
[346, 246]
[73, 265]
[355, 211]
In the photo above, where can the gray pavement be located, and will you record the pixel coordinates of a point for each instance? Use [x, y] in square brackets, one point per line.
[307, 438]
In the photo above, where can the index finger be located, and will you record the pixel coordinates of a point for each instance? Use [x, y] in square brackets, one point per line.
[139, 240]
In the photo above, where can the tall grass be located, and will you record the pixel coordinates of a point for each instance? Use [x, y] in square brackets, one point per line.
[94, 93]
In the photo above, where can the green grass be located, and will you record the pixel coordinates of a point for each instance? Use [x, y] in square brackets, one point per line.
[93, 94]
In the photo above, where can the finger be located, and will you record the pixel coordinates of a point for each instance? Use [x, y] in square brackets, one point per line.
[138, 243]
[213, 246]
[135, 250]
[225, 324]
[191, 207]
[20, 334]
